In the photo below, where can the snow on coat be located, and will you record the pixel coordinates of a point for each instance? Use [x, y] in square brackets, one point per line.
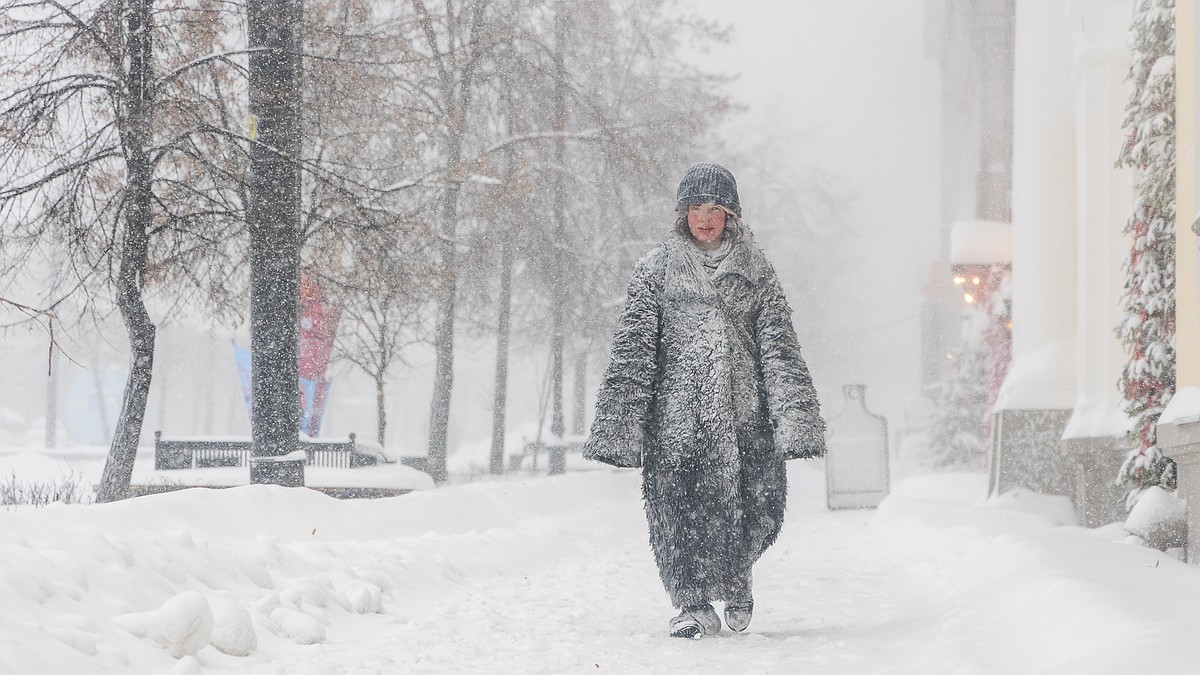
[708, 393]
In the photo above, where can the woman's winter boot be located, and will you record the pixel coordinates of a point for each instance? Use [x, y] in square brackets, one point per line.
[737, 615]
[695, 622]
[739, 604]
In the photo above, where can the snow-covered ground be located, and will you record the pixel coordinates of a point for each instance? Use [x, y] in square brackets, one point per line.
[554, 575]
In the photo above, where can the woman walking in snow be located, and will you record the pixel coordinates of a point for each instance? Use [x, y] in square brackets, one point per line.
[707, 392]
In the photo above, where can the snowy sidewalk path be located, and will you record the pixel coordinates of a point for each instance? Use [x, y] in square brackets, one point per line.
[555, 576]
[587, 599]
[845, 592]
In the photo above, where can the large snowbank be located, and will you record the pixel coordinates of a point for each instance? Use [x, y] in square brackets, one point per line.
[554, 575]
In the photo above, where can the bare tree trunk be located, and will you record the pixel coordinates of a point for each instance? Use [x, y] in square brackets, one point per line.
[164, 384]
[557, 424]
[52, 399]
[443, 380]
[97, 373]
[273, 215]
[581, 364]
[500, 396]
[456, 90]
[380, 410]
[135, 128]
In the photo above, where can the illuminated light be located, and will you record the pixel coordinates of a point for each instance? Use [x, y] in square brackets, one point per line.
[1010, 325]
[968, 297]
[975, 281]
[949, 357]
[959, 280]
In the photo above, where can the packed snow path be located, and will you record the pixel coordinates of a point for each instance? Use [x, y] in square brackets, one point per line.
[580, 593]
[554, 575]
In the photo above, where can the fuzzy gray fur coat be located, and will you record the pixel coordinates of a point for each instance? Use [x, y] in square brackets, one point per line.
[707, 392]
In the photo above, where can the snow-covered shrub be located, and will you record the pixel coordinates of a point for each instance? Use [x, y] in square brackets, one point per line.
[1159, 518]
[958, 426]
[1144, 469]
[69, 489]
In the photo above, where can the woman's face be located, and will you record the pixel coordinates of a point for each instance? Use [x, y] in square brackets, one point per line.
[706, 223]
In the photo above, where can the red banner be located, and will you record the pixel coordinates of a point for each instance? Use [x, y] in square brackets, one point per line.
[318, 326]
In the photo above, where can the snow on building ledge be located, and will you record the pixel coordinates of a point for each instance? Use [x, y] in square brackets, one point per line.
[1040, 380]
[1093, 418]
[1178, 428]
[980, 242]
[1184, 407]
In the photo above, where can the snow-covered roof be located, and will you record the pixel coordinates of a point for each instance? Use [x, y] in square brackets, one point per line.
[980, 242]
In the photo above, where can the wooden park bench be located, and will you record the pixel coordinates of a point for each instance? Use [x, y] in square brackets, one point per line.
[200, 453]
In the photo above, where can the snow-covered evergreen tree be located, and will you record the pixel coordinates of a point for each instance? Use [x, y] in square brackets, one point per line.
[960, 400]
[959, 429]
[1148, 327]
[997, 337]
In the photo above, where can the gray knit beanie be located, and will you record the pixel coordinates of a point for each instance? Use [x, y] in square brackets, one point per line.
[706, 183]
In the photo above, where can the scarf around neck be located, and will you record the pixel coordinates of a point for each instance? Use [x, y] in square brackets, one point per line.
[710, 260]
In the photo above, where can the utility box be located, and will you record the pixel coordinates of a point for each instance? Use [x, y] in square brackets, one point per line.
[856, 466]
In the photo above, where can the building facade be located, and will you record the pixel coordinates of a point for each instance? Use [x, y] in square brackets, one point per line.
[1058, 425]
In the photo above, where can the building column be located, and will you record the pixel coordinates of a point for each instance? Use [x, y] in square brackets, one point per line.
[1096, 435]
[1039, 391]
[994, 33]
